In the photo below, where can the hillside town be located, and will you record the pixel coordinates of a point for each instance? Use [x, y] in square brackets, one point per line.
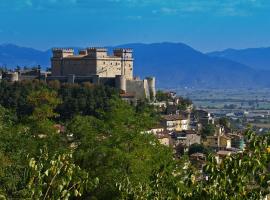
[91, 105]
[135, 100]
[181, 126]
[196, 132]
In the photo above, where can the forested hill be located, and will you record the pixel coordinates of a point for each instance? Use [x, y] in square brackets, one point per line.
[70, 141]
[173, 64]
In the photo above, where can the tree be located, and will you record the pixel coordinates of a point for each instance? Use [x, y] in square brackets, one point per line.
[198, 148]
[224, 122]
[161, 96]
[57, 178]
[208, 130]
[43, 103]
[117, 148]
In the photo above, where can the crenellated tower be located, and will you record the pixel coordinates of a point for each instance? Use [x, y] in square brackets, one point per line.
[126, 62]
[57, 58]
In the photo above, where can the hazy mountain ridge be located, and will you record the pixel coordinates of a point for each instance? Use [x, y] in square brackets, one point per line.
[176, 64]
[173, 64]
[257, 58]
[12, 55]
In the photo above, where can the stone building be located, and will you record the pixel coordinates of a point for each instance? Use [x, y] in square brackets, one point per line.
[175, 122]
[93, 61]
[186, 138]
[95, 65]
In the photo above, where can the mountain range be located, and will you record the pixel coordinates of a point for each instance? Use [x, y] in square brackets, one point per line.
[174, 64]
[257, 58]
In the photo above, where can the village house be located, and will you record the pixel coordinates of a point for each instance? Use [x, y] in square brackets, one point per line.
[156, 129]
[186, 138]
[175, 122]
[164, 138]
[218, 142]
[222, 154]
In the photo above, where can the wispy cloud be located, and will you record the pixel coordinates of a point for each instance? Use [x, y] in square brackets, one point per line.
[154, 7]
[35, 4]
[218, 7]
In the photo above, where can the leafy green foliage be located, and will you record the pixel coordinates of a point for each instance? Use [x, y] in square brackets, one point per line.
[162, 96]
[117, 148]
[103, 152]
[57, 177]
[208, 130]
[198, 148]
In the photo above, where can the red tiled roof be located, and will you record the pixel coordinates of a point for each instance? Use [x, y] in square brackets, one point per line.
[174, 117]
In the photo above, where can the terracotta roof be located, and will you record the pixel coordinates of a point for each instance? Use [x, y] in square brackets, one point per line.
[174, 117]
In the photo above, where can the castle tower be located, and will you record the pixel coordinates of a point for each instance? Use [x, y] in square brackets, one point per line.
[152, 87]
[120, 82]
[126, 62]
[96, 52]
[62, 53]
[56, 60]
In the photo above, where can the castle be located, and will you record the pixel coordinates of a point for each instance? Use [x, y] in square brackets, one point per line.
[96, 66]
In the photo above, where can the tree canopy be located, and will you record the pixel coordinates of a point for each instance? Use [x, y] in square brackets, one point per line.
[103, 152]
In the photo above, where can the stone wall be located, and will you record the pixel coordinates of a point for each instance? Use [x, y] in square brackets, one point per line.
[137, 87]
[93, 61]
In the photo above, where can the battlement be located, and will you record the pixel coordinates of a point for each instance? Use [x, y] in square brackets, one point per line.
[123, 53]
[62, 52]
[97, 49]
[83, 52]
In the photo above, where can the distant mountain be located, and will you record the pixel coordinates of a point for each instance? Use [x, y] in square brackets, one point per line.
[12, 56]
[173, 64]
[176, 64]
[257, 58]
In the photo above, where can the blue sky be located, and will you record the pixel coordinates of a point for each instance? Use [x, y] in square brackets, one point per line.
[204, 24]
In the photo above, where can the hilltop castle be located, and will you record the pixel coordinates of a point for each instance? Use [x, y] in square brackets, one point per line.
[96, 66]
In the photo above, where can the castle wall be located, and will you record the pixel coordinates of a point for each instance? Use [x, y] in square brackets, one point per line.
[121, 83]
[137, 87]
[56, 66]
[93, 61]
[96, 66]
[109, 67]
[78, 66]
[152, 86]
